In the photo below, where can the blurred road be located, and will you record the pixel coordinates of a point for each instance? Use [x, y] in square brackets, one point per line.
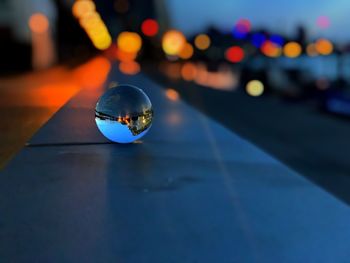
[315, 144]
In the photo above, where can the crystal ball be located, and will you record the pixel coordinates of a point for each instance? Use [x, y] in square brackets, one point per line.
[124, 114]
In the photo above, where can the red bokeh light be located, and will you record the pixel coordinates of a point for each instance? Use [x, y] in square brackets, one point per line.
[234, 54]
[150, 27]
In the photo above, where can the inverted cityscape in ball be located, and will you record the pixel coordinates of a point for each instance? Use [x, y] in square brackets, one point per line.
[124, 114]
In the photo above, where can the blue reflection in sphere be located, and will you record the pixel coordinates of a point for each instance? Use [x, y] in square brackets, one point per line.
[124, 114]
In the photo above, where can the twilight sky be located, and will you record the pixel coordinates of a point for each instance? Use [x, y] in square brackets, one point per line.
[281, 16]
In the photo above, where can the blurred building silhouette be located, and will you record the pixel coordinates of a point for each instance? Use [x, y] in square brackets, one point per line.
[70, 40]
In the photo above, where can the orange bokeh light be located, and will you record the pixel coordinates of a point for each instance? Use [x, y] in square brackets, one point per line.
[125, 56]
[149, 27]
[270, 49]
[129, 67]
[292, 50]
[186, 52]
[38, 23]
[172, 70]
[202, 41]
[189, 71]
[223, 79]
[129, 42]
[82, 8]
[324, 46]
[172, 94]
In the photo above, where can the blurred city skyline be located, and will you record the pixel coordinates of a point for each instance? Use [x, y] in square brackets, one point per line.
[280, 16]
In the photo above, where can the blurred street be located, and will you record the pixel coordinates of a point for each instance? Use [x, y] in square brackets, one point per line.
[302, 136]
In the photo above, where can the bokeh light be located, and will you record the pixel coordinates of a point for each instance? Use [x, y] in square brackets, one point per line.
[149, 27]
[189, 71]
[223, 79]
[186, 52]
[92, 23]
[129, 67]
[277, 40]
[172, 94]
[258, 39]
[324, 46]
[129, 42]
[234, 54]
[241, 29]
[38, 23]
[202, 41]
[90, 20]
[311, 50]
[173, 41]
[323, 22]
[172, 70]
[82, 8]
[125, 56]
[271, 49]
[255, 88]
[292, 50]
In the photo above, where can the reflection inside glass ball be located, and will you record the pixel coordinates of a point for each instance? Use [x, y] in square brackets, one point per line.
[124, 114]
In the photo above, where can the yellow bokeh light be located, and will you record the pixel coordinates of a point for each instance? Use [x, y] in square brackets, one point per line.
[91, 21]
[186, 52]
[202, 41]
[173, 41]
[129, 42]
[82, 8]
[292, 50]
[324, 46]
[255, 88]
[103, 43]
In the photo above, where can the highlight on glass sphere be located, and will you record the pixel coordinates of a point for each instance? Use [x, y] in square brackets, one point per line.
[124, 114]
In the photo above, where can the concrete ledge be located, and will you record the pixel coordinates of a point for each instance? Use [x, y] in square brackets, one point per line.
[191, 191]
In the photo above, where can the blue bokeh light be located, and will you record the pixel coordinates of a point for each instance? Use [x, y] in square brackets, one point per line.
[258, 39]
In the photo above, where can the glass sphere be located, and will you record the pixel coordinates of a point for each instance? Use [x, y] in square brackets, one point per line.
[124, 114]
